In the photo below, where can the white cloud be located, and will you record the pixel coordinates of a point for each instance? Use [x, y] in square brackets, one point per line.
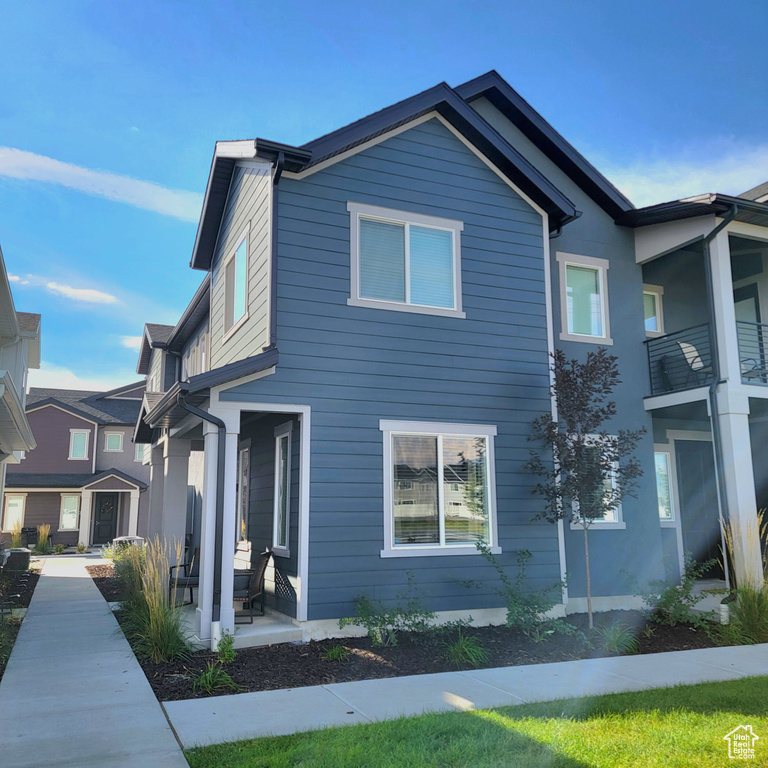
[732, 170]
[13, 278]
[20, 164]
[131, 342]
[59, 377]
[89, 295]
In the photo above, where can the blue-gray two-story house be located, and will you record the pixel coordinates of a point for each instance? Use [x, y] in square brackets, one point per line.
[353, 384]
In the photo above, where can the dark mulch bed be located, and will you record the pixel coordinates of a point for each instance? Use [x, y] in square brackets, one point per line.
[294, 665]
[104, 578]
[291, 665]
[16, 591]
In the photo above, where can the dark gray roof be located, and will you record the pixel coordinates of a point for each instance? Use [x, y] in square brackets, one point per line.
[441, 99]
[58, 480]
[158, 334]
[714, 204]
[96, 406]
[192, 317]
[29, 322]
[761, 190]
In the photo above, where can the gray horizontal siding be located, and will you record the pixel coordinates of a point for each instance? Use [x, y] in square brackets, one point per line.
[355, 366]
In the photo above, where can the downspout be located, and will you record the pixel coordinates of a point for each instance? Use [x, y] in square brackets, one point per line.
[279, 164]
[219, 534]
[714, 412]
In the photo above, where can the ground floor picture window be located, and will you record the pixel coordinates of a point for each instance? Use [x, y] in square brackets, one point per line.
[14, 512]
[440, 488]
[70, 507]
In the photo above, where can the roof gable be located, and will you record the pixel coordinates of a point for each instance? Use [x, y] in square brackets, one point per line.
[521, 114]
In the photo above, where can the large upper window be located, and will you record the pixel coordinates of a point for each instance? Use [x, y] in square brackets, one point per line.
[235, 284]
[113, 442]
[14, 512]
[282, 498]
[403, 261]
[652, 310]
[584, 299]
[78, 443]
[70, 507]
[439, 492]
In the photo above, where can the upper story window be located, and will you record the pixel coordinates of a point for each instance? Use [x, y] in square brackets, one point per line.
[403, 261]
[652, 310]
[78, 443]
[236, 285]
[113, 442]
[439, 493]
[584, 299]
[138, 452]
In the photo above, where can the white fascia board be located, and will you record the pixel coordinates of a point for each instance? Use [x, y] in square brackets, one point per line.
[243, 149]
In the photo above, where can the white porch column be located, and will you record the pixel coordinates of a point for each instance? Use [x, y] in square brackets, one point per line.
[740, 485]
[133, 513]
[86, 502]
[227, 621]
[175, 478]
[725, 312]
[156, 475]
[207, 531]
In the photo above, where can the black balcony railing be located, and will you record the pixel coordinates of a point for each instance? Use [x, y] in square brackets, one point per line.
[680, 360]
[753, 352]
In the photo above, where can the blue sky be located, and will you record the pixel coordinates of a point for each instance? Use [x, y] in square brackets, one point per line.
[109, 113]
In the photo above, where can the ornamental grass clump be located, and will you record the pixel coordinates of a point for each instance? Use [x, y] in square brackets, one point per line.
[43, 546]
[16, 539]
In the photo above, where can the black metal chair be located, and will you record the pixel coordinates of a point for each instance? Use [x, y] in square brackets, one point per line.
[190, 578]
[249, 585]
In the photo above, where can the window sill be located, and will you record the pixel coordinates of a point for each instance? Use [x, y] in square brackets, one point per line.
[76, 458]
[619, 526]
[113, 450]
[668, 523]
[435, 552]
[413, 308]
[603, 340]
[235, 328]
[280, 552]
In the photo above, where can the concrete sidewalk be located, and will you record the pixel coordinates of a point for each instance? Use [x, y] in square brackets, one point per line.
[220, 719]
[73, 693]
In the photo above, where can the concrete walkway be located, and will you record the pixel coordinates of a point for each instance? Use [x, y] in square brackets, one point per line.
[73, 694]
[200, 722]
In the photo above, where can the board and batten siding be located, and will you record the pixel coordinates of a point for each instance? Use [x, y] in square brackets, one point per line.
[156, 372]
[356, 365]
[248, 208]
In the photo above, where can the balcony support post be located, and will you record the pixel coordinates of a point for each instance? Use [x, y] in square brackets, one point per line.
[727, 337]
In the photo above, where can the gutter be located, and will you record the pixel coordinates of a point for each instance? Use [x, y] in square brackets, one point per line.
[714, 412]
[219, 534]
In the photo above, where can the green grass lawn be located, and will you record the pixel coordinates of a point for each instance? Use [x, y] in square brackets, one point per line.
[670, 728]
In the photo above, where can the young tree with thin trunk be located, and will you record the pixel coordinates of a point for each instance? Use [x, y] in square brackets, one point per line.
[584, 472]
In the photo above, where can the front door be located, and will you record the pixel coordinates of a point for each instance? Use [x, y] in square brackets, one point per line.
[104, 518]
[699, 515]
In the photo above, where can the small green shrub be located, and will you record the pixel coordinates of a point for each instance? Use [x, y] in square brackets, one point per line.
[107, 552]
[81, 548]
[672, 604]
[43, 546]
[59, 549]
[16, 539]
[213, 679]
[384, 626]
[618, 638]
[337, 653]
[225, 651]
[465, 650]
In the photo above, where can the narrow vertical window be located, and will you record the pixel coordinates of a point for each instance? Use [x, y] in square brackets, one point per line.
[243, 471]
[78, 444]
[282, 499]
[652, 310]
[663, 488]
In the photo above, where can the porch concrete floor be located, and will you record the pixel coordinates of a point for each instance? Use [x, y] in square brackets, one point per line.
[200, 722]
[73, 693]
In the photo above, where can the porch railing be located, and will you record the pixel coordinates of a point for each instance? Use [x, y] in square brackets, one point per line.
[680, 360]
[753, 352]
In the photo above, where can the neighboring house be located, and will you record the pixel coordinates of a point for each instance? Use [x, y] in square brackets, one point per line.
[353, 384]
[19, 351]
[86, 478]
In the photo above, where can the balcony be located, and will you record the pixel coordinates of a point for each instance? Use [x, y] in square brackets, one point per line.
[753, 352]
[680, 360]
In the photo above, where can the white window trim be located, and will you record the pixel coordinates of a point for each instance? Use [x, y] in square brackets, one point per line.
[358, 211]
[602, 265]
[282, 431]
[138, 453]
[230, 331]
[61, 512]
[72, 433]
[23, 497]
[657, 291]
[432, 429]
[106, 442]
[603, 525]
[669, 452]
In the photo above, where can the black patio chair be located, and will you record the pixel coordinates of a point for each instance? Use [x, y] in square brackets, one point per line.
[189, 578]
[249, 585]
